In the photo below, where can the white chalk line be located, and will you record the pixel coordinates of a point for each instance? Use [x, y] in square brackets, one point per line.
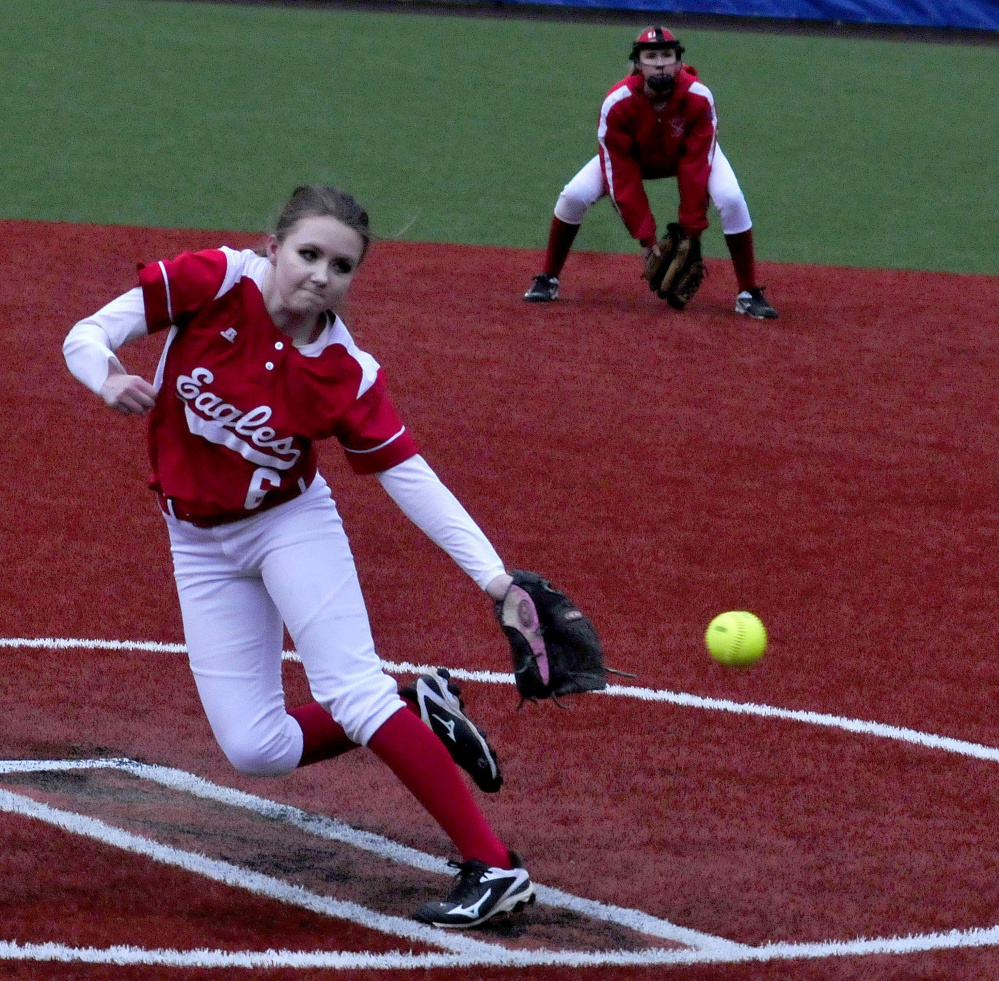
[715, 950]
[863, 727]
[233, 875]
[460, 951]
[334, 830]
[399, 960]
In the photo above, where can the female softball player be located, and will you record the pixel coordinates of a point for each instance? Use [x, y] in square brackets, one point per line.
[256, 366]
[659, 121]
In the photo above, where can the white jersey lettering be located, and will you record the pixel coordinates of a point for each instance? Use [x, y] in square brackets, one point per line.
[225, 425]
[189, 386]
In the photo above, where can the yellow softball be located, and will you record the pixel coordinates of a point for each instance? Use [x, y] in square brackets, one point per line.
[736, 639]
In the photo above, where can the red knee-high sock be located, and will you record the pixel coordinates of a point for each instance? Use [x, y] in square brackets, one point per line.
[322, 738]
[740, 247]
[560, 240]
[418, 758]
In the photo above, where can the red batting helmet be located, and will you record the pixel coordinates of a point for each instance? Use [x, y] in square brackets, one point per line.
[655, 37]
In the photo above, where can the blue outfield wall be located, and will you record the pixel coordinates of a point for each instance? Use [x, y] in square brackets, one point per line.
[973, 14]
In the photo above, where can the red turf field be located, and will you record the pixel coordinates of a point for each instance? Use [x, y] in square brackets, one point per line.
[833, 470]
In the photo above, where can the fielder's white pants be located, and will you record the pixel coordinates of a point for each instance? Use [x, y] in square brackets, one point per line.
[237, 585]
[587, 187]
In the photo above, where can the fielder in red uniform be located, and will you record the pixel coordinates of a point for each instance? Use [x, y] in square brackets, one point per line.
[256, 367]
[659, 121]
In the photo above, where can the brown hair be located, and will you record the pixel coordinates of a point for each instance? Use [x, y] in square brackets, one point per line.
[316, 201]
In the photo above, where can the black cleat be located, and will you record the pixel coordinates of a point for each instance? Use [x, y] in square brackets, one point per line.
[439, 700]
[754, 304]
[479, 893]
[544, 289]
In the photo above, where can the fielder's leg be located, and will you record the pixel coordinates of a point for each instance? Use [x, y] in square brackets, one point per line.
[737, 226]
[577, 197]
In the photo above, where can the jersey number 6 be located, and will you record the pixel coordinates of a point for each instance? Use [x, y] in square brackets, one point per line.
[263, 480]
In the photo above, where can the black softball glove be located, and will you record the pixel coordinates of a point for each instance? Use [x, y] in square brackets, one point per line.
[555, 649]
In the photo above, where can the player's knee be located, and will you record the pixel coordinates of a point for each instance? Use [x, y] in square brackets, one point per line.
[273, 757]
[571, 209]
[734, 213]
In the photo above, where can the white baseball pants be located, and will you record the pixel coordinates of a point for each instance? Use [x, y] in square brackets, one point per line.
[238, 584]
[588, 187]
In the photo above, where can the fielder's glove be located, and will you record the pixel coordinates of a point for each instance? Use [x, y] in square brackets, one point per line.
[675, 274]
[554, 646]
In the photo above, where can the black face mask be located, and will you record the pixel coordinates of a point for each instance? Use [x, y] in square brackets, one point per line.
[661, 84]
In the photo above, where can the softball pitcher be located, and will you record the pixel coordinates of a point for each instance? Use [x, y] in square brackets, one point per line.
[256, 367]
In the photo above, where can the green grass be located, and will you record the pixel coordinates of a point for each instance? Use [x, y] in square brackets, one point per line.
[851, 152]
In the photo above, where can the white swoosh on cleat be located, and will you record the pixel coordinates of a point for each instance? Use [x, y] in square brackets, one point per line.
[448, 724]
[473, 910]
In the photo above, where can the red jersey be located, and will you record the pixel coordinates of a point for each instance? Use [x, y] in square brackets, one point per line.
[239, 404]
[639, 141]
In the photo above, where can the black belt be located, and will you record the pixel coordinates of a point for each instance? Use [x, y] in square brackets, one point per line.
[173, 507]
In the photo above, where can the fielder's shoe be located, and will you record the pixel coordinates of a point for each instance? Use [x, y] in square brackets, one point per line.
[480, 892]
[439, 701]
[544, 289]
[754, 304]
